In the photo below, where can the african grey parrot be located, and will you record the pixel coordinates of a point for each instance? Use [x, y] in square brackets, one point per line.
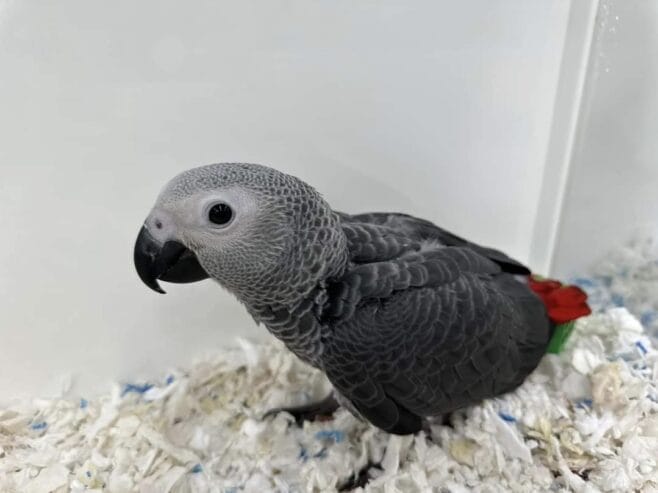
[406, 319]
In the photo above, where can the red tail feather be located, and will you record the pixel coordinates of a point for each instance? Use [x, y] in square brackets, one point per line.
[563, 303]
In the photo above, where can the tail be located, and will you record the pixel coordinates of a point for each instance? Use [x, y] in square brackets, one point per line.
[564, 305]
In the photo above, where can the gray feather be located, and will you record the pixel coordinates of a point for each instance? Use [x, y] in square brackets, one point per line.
[407, 319]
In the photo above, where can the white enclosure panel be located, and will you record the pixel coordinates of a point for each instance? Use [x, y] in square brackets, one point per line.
[437, 108]
[613, 190]
[566, 112]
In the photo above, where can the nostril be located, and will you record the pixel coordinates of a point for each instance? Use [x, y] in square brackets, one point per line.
[158, 224]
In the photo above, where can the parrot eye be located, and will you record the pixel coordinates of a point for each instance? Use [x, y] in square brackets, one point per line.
[220, 214]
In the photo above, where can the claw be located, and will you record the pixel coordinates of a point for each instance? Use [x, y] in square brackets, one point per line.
[360, 478]
[319, 410]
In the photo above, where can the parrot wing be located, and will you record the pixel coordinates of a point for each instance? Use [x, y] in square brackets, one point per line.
[415, 328]
[413, 228]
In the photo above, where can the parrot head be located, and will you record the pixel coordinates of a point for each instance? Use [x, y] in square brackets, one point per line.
[265, 236]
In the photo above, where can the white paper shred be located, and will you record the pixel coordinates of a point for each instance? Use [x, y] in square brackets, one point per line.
[510, 440]
[50, 478]
[585, 421]
[628, 277]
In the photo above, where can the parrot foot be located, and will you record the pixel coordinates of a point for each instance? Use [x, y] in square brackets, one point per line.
[447, 419]
[308, 412]
[359, 479]
[441, 420]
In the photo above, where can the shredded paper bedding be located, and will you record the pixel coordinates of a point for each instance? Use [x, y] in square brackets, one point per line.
[585, 421]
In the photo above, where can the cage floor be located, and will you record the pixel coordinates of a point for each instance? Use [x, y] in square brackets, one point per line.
[585, 421]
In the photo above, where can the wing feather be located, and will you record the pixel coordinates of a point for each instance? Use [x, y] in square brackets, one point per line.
[414, 229]
[418, 328]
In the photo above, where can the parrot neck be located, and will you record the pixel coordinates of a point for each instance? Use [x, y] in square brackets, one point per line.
[297, 325]
[283, 284]
[292, 304]
[307, 256]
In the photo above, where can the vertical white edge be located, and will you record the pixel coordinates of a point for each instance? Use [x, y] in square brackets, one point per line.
[566, 111]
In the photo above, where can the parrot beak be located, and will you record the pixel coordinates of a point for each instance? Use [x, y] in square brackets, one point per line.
[171, 262]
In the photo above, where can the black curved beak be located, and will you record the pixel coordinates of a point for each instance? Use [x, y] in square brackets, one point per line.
[171, 262]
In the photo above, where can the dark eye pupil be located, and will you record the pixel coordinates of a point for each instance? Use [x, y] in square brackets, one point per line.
[220, 214]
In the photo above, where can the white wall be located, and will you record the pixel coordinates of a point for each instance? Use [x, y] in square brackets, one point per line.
[613, 189]
[437, 108]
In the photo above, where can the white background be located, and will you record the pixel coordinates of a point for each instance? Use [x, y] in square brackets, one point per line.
[613, 190]
[437, 108]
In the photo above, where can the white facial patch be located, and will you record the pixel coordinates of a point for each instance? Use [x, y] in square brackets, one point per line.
[161, 225]
[242, 203]
[187, 218]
